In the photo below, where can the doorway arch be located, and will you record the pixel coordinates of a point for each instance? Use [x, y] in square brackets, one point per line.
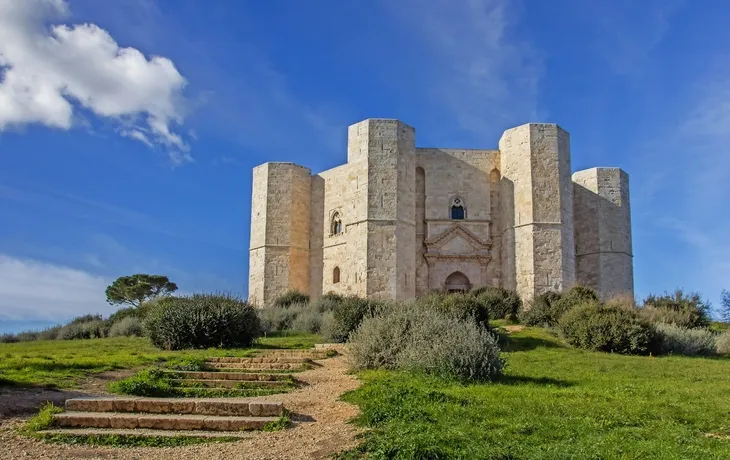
[457, 282]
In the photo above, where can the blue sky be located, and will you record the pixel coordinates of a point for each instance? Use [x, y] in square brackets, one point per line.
[128, 128]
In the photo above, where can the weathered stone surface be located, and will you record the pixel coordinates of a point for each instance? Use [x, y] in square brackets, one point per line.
[195, 406]
[397, 238]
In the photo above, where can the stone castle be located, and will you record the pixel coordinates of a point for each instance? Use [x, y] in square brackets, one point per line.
[397, 221]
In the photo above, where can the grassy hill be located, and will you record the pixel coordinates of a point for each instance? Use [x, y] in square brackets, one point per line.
[555, 402]
[62, 363]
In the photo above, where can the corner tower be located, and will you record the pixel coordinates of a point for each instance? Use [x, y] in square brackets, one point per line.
[604, 258]
[536, 194]
[388, 149]
[280, 230]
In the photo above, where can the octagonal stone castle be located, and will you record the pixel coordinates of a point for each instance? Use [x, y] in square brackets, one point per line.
[397, 221]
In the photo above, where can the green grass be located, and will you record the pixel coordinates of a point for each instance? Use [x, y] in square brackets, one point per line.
[132, 440]
[554, 402]
[43, 420]
[63, 363]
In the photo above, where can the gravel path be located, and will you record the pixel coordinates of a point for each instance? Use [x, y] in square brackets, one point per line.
[321, 427]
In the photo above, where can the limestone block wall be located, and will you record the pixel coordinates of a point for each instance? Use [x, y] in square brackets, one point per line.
[463, 173]
[538, 251]
[604, 255]
[280, 230]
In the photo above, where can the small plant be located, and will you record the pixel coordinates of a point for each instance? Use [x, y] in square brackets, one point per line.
[612, 328]
[130, 326]
[282, 423]
[347, 317]
[291, 298]
[501, 303]
[723, 343]
[149, 382]
[677, 340]
[542, 310]
[44, 419]
[683, 310]
[78, 330]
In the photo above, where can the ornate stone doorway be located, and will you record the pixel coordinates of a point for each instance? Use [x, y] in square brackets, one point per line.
[457, 282]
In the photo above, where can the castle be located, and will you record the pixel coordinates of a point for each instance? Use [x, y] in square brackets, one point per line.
[397, 221]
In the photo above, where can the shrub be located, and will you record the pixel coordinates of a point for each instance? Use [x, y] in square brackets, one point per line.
[541, 310]
[614, 328]
[308, 320]
[500, 303]
[202, 321]
[290, 298]
[78, 330]
[723, 343]
[130, 326]
[432, 341]
[683, 310]
[279, 318]
[347, 317]
[677, 340]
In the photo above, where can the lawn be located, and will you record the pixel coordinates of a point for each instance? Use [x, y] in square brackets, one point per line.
[63, 363]
[554, 402]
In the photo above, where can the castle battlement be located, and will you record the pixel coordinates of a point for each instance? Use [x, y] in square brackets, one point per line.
[397, 221]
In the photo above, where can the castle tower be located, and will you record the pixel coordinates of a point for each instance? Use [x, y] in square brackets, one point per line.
[388, 148]
[280, 231]
[536, 193]
[603, 231]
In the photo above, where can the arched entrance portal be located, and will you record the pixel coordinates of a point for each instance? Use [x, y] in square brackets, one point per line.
[457, 282]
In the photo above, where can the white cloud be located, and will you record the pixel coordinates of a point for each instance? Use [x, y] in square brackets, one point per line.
[477, 67]
[34, 290]
[46, 71]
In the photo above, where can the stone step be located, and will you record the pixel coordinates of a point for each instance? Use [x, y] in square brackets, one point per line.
[259, 359]
[313, 354]
[240, 384]
[143, 432]
[257, 366]
[159, 421]
[195, 406]
[238, 376]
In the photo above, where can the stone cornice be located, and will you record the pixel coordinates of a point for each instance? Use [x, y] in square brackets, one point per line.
[458, 229]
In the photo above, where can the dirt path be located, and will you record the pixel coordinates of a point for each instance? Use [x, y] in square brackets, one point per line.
[320, 419]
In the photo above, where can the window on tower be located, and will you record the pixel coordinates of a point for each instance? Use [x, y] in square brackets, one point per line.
[336, 224]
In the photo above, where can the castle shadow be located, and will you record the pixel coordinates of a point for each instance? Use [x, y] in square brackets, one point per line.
[525, 380]
[528, 343]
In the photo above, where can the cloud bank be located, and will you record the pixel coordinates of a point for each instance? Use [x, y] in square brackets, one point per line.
[47, 73]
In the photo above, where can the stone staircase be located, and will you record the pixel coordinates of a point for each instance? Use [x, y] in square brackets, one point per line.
[200, 417]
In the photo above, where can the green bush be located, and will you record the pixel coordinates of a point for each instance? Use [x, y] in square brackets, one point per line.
[202, 321]
[291, 298]
[500, 303]
[276, 319]
[677, 340]
[346, 317]
[613, 327]
[131, 326]
[723, 343]
[308, 320]
[90, 329]
[542, 310]
[432, 341]
[683, 310]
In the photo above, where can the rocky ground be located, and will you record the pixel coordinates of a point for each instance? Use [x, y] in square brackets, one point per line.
[321, 425]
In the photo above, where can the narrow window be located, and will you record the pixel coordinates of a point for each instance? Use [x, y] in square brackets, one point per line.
[458, 211]
[336, 224]
[336, 275]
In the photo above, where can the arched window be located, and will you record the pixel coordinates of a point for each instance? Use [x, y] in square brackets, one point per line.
[457, 282]
[336, 275]
[336, 224]
[458, 209]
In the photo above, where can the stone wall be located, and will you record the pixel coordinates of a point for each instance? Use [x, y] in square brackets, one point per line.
[603, 231]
